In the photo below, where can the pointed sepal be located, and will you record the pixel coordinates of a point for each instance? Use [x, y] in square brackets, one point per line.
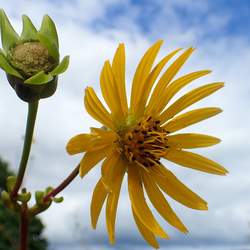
[39, 78]
[8, 35]
[29, 32]
[61, 67]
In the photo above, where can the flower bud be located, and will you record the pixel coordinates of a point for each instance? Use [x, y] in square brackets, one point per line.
[31, 60]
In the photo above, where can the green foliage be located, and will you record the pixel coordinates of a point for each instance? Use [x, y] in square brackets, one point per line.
[9, 222]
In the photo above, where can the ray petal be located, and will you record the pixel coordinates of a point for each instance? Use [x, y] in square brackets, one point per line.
[166, 78]
[98, 199]
[113, 197]
[191, 117]
[189, 99]
[195, 161]
[192, 140]
[90, 159]
[139, 204]
[142, 72]
[118, 67]
[168, 182]
[147, 234]
[158, 200]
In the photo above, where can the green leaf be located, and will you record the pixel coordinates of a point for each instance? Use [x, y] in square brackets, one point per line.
[48, 29]
[29, 31]
[39, 78]
[45, 41]
[8, 34]
[61, 67]
[4, 64]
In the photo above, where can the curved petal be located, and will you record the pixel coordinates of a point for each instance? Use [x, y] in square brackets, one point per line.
[189, 118]
[149, 82]
[98, 199]
[192, 140]
[113, 196]
[96, 109]
[166, 78]
[39, 78]
[118, 68]
[158, 200]
[110, 91]
[176, 189]
[142, 72]
[139, 204]
[195, 161]
[80, 143]
[174, 87]
[189, 99]
[147, 234]
[90, 159]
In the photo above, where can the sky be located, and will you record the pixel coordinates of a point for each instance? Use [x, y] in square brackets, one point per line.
[89, 31]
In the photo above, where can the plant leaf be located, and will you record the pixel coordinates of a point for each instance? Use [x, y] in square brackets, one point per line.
[29, 31]
[4, 64]
[48, 29]
[8, 34]
[39, 78]
[61, 67]
[53, 50]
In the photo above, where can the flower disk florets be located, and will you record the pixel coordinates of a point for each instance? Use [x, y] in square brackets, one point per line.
[31, 58]
[145, 143]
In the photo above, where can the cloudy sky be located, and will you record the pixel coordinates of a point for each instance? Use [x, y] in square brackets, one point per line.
[89, 32]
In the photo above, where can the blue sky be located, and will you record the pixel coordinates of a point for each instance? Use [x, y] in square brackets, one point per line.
[89, 32]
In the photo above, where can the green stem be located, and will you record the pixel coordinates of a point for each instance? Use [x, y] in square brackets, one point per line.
[32, 111]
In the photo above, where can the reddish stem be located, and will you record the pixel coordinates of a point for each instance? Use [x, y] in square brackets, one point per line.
[24, 225]
[63, 185]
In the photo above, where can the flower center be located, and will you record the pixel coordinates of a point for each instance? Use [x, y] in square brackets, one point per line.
[145, 144]
[31, 58]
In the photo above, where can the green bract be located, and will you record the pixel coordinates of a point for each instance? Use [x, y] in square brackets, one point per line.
[31, 60]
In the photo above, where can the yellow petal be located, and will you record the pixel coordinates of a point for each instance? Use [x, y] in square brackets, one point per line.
[175, 86]
[98, 198]
[90, 159]
[149, 82]
[147, 234]
[176, 189]
[113, 197]
[80, 143]
[166, 78]
[191, 140]
[139, 204]
[189, 99]
[142, 72]
[109, 166]
[118, 67]
[160, 203]
[191, 117]
[110, 92]
[195, 161]
[95, 108]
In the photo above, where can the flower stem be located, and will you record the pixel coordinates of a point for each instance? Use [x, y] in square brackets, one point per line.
[32, 111]
[24, 225]
[63, 185]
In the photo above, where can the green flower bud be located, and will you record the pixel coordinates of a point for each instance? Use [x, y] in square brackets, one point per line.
[31, 60]
[24, 197]
[58, 200]
[10, 183]
[39, 197]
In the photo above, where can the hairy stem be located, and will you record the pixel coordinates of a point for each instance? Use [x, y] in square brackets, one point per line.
[32, 111]
[63, 184]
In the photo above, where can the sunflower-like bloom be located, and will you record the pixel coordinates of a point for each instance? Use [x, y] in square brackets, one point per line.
[134, 139]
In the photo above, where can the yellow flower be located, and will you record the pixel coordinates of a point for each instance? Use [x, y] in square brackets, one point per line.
[134, 140]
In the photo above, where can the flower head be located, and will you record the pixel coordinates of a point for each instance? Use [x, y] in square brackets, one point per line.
[135, 139]
[31, 60]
